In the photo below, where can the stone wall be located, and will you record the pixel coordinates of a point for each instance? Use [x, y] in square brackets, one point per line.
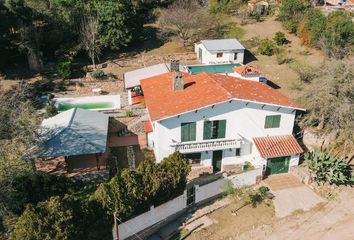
[197, 171]
[232, 168]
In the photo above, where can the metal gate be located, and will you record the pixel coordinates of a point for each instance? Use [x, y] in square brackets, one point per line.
[190, 195]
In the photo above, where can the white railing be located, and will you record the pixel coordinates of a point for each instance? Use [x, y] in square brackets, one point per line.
[207, 145]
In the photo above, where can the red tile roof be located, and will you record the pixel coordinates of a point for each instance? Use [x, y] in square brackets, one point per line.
[247, 70]
[203, 90]
[148, 126]
[277, 146]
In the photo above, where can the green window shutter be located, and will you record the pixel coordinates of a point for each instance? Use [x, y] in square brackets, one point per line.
[184, 132]
[222, 129]
[188, 132]
[272, 121]
[276, 121]
[268, 122]
[192, 131]
[207, 130]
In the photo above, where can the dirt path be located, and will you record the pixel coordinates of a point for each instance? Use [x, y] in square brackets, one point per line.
[282, 75]
[334, 220]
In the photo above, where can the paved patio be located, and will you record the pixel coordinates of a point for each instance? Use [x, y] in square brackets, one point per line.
[291, 195]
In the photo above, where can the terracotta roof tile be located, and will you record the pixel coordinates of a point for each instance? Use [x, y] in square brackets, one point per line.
[203, 90]
[276, 146]
[247, 70]
[147, 126]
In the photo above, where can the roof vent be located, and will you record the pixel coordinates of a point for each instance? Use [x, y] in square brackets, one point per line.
[178, 81]
[174, 66]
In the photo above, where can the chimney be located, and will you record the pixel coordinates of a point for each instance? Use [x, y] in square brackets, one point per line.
[174, 67]
[178, 81]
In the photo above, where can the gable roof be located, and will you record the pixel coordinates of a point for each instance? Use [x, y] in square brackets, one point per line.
[277, 146]
[73, 132]
[203, 90]
[222, 45]
[132, 78]
[247, 70]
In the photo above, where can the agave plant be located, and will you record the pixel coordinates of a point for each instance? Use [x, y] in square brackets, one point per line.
[327, 168]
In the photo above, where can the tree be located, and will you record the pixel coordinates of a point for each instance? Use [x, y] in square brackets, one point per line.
[327, 168]
[330, 101]
[63, 218]
[338, 38]
[185, 18]
[89, 38]
[117, 24]
[279, 38]
[132, 192]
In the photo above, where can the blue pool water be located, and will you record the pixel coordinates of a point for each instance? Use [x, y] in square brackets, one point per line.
[219, 68]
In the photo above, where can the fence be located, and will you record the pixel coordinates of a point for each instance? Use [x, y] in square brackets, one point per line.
[146, 223]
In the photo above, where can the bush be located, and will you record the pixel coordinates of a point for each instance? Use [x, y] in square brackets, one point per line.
[97, 74]
[129, 113]
[282, 58]
[132, 192]
[64, 68]
[279, 38]
[19, 190]
[63, 218]
[266, 47]
[50, 111]
[327, 168]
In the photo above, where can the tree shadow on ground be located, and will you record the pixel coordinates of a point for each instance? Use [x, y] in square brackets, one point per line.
[151, 38]
[249, 57]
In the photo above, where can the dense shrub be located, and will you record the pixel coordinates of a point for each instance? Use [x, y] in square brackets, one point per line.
[97, 74]
[50, 111]
[64, 68]
[18, 190]
[63, 218]
[327, 168]
[266, 47]
[279, 38]
[132, 192]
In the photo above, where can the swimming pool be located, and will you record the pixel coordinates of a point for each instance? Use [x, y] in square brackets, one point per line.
[98, 103]
[218, 68]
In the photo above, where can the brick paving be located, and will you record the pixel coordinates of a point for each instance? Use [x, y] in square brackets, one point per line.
[282, 181]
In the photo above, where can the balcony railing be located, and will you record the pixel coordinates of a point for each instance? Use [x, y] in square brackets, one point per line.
[207, 145]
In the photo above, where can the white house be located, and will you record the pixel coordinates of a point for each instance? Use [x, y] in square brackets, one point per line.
[221, 123]
[220, 51]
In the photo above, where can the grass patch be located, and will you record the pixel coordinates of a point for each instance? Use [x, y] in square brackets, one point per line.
[234, 31]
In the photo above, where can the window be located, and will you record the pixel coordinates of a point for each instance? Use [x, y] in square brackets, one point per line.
[219, 55]
[238, 152]
[214, 129]
[235, 56]
[188, 131]
[272, 121]
[194, 158]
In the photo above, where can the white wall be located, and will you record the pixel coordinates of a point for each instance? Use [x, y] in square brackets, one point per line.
[242, 121]
[252, 78]
[209, 190]
[246, 178]
[151, 217]
[228, 57]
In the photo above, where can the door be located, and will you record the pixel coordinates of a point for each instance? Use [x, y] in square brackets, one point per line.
[200, 55]
[277, 165]
[217, 158]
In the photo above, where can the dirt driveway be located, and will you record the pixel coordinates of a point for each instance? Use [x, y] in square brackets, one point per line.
[291, 195]
[333, 220]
